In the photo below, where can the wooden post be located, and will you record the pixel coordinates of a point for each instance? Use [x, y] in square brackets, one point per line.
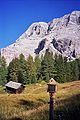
[51, 110]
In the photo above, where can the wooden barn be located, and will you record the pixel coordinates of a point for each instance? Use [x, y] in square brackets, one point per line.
[14, 87]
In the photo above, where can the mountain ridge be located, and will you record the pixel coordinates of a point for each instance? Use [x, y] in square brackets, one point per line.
[60, 36]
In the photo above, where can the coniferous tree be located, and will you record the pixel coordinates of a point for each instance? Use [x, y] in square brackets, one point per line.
[78, 64]
[22, 74]
[47, 66]
[38, 67]
[60, 68]
[68, 72]
[13, 70]
[74, 70]
[3, 71]
[20, 70]
[31, 70]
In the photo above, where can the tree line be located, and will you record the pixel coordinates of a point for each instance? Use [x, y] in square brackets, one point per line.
[40, 69]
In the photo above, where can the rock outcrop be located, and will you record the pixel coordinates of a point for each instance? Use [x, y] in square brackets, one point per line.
[60, 36]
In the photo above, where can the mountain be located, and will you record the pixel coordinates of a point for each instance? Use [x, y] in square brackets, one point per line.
[60, 36]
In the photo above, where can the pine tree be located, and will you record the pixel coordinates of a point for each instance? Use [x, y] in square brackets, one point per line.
[13, 70]
[78, 65]
[68, 72]
[22, 75]
[38, 67]
[60, 68]
[3, 71]
[74, 70]
[31, 70]
[47, 66]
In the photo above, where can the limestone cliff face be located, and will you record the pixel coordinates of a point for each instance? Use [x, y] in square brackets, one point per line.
[60, 36]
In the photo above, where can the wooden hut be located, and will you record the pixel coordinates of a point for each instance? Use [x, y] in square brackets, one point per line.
[14, 87]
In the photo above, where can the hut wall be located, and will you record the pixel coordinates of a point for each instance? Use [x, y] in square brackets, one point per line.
[20, 89]
[10, 90]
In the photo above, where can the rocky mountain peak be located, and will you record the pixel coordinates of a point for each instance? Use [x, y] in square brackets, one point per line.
[67, 20]
[75, 17]
[60, 36]
[37, 29]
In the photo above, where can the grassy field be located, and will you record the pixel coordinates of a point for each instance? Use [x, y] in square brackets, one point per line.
[32, 104]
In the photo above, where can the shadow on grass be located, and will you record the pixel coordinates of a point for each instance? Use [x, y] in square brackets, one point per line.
[26, 102]
[68, 109]
[29, 105]
[42, 101]
[15, 119]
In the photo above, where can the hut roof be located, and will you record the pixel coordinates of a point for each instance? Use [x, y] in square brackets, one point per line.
[14, 85]
[52, 81]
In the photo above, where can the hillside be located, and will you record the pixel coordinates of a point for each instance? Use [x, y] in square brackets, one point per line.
[59, 36]
[32, 104]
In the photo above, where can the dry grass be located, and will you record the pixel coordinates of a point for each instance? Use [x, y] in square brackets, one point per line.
[32, 104]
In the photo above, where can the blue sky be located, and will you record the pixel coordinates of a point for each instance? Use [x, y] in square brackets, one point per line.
[17, 15]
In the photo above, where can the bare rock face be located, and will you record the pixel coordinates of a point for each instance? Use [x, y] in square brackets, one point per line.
[37, 29]
[60, 36]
